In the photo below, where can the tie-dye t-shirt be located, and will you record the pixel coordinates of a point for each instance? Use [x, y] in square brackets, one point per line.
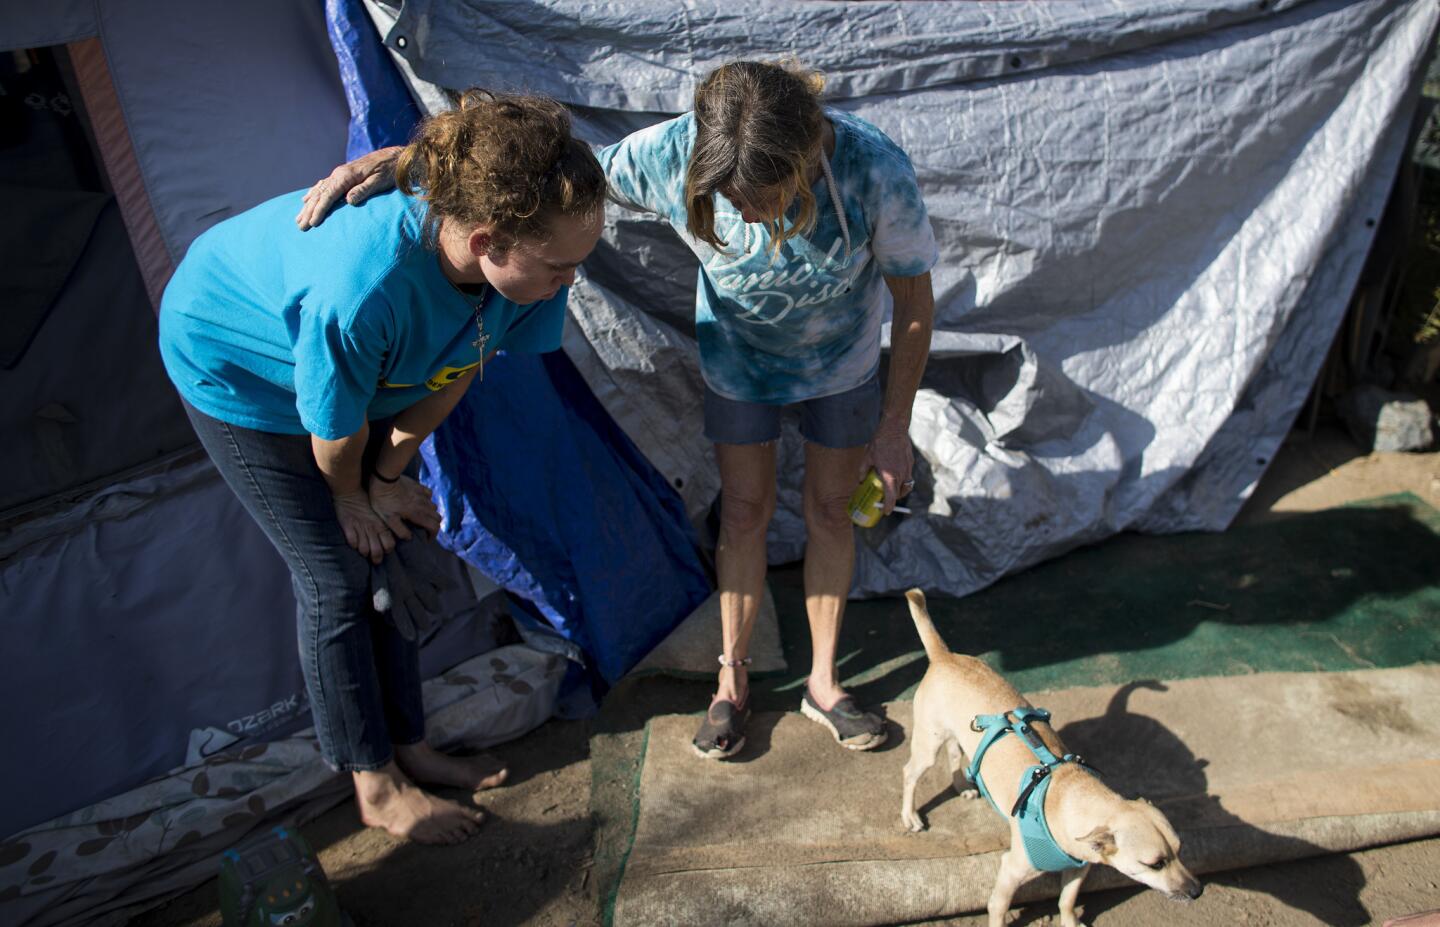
[805, 323]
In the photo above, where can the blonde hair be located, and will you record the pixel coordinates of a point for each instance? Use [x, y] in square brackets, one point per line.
[501, 160]
[758, 129]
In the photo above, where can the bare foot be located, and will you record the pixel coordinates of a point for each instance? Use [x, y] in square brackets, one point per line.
[390, 801]
[424, 763]
[733, 686]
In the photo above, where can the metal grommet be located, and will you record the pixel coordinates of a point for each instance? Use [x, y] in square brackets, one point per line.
[401, 41]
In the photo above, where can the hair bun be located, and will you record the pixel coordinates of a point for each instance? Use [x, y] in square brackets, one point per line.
[500, 160]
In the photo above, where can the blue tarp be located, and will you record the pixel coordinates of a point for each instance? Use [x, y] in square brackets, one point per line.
[381, 110]
[539, 489]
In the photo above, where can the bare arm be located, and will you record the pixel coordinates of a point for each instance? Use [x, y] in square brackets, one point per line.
[340, 463]
[416, 423]
[890, 452]
[339, 460]
[395, 497]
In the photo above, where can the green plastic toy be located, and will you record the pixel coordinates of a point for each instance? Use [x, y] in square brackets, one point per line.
[275, 880]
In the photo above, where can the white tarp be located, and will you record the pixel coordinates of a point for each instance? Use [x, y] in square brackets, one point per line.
[1150, 214]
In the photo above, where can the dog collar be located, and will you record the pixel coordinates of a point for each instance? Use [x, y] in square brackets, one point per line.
[1029, 810]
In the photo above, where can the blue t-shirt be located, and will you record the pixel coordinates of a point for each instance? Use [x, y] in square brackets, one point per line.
[807, 323]
[267, 327]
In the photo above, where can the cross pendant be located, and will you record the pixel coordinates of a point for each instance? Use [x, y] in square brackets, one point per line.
[481, 340]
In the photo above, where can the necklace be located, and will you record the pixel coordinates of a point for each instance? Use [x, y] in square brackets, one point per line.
[482, 337]
[835, 204]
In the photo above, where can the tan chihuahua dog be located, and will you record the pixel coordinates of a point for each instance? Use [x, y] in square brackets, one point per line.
[1080, 817]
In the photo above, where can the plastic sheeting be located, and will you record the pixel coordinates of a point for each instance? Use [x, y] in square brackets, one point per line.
[381, 111]
[1150, 215]
[544, 494]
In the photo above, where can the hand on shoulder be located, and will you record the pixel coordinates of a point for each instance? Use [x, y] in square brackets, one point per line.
[356, 181]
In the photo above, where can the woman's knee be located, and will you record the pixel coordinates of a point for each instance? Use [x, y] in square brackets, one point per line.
[746, 514]
[335, 589]
[827, 511]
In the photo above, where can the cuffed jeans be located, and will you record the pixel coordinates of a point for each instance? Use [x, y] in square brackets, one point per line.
[362, 677]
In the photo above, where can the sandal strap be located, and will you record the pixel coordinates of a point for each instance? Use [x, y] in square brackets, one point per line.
[724, 661]
[724, 723]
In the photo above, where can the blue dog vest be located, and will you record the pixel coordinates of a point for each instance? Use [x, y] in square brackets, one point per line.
[1040, 846]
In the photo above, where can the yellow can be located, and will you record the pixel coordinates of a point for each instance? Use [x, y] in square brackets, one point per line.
[867, 503]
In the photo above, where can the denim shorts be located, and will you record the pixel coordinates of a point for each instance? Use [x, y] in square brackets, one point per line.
[837, 421]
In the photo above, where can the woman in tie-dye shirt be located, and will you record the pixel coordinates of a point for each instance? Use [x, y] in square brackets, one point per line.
[809, 225]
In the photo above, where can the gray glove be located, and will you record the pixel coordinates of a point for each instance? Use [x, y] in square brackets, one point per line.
[407, 584]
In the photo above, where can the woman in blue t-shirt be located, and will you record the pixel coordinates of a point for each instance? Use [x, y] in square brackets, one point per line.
[809, 226]
[313, 365]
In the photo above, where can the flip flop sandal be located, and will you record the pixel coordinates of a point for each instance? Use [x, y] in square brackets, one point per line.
[722, 733]
[853, 729]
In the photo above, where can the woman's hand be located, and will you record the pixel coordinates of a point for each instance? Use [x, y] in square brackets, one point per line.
[356, 180]
[893, 458]
[404, 500]
[364, 529]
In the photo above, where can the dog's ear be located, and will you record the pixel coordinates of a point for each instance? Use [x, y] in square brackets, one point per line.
[1101, 840]
[1157, 817]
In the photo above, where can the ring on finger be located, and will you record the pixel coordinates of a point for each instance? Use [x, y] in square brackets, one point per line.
[907, 485]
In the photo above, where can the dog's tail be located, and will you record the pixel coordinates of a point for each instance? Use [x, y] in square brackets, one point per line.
[934, 645]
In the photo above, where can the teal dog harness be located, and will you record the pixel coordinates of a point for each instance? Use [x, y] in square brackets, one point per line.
[1040, 846]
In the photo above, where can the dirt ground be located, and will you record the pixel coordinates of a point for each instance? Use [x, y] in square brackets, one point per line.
[531, 865]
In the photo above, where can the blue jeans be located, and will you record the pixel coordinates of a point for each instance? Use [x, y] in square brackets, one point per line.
[362, 677]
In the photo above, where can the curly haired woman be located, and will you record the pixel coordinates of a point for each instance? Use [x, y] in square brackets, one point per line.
[312, 366]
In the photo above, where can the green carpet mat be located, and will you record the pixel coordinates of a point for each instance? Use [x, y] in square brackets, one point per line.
[1356, 587]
